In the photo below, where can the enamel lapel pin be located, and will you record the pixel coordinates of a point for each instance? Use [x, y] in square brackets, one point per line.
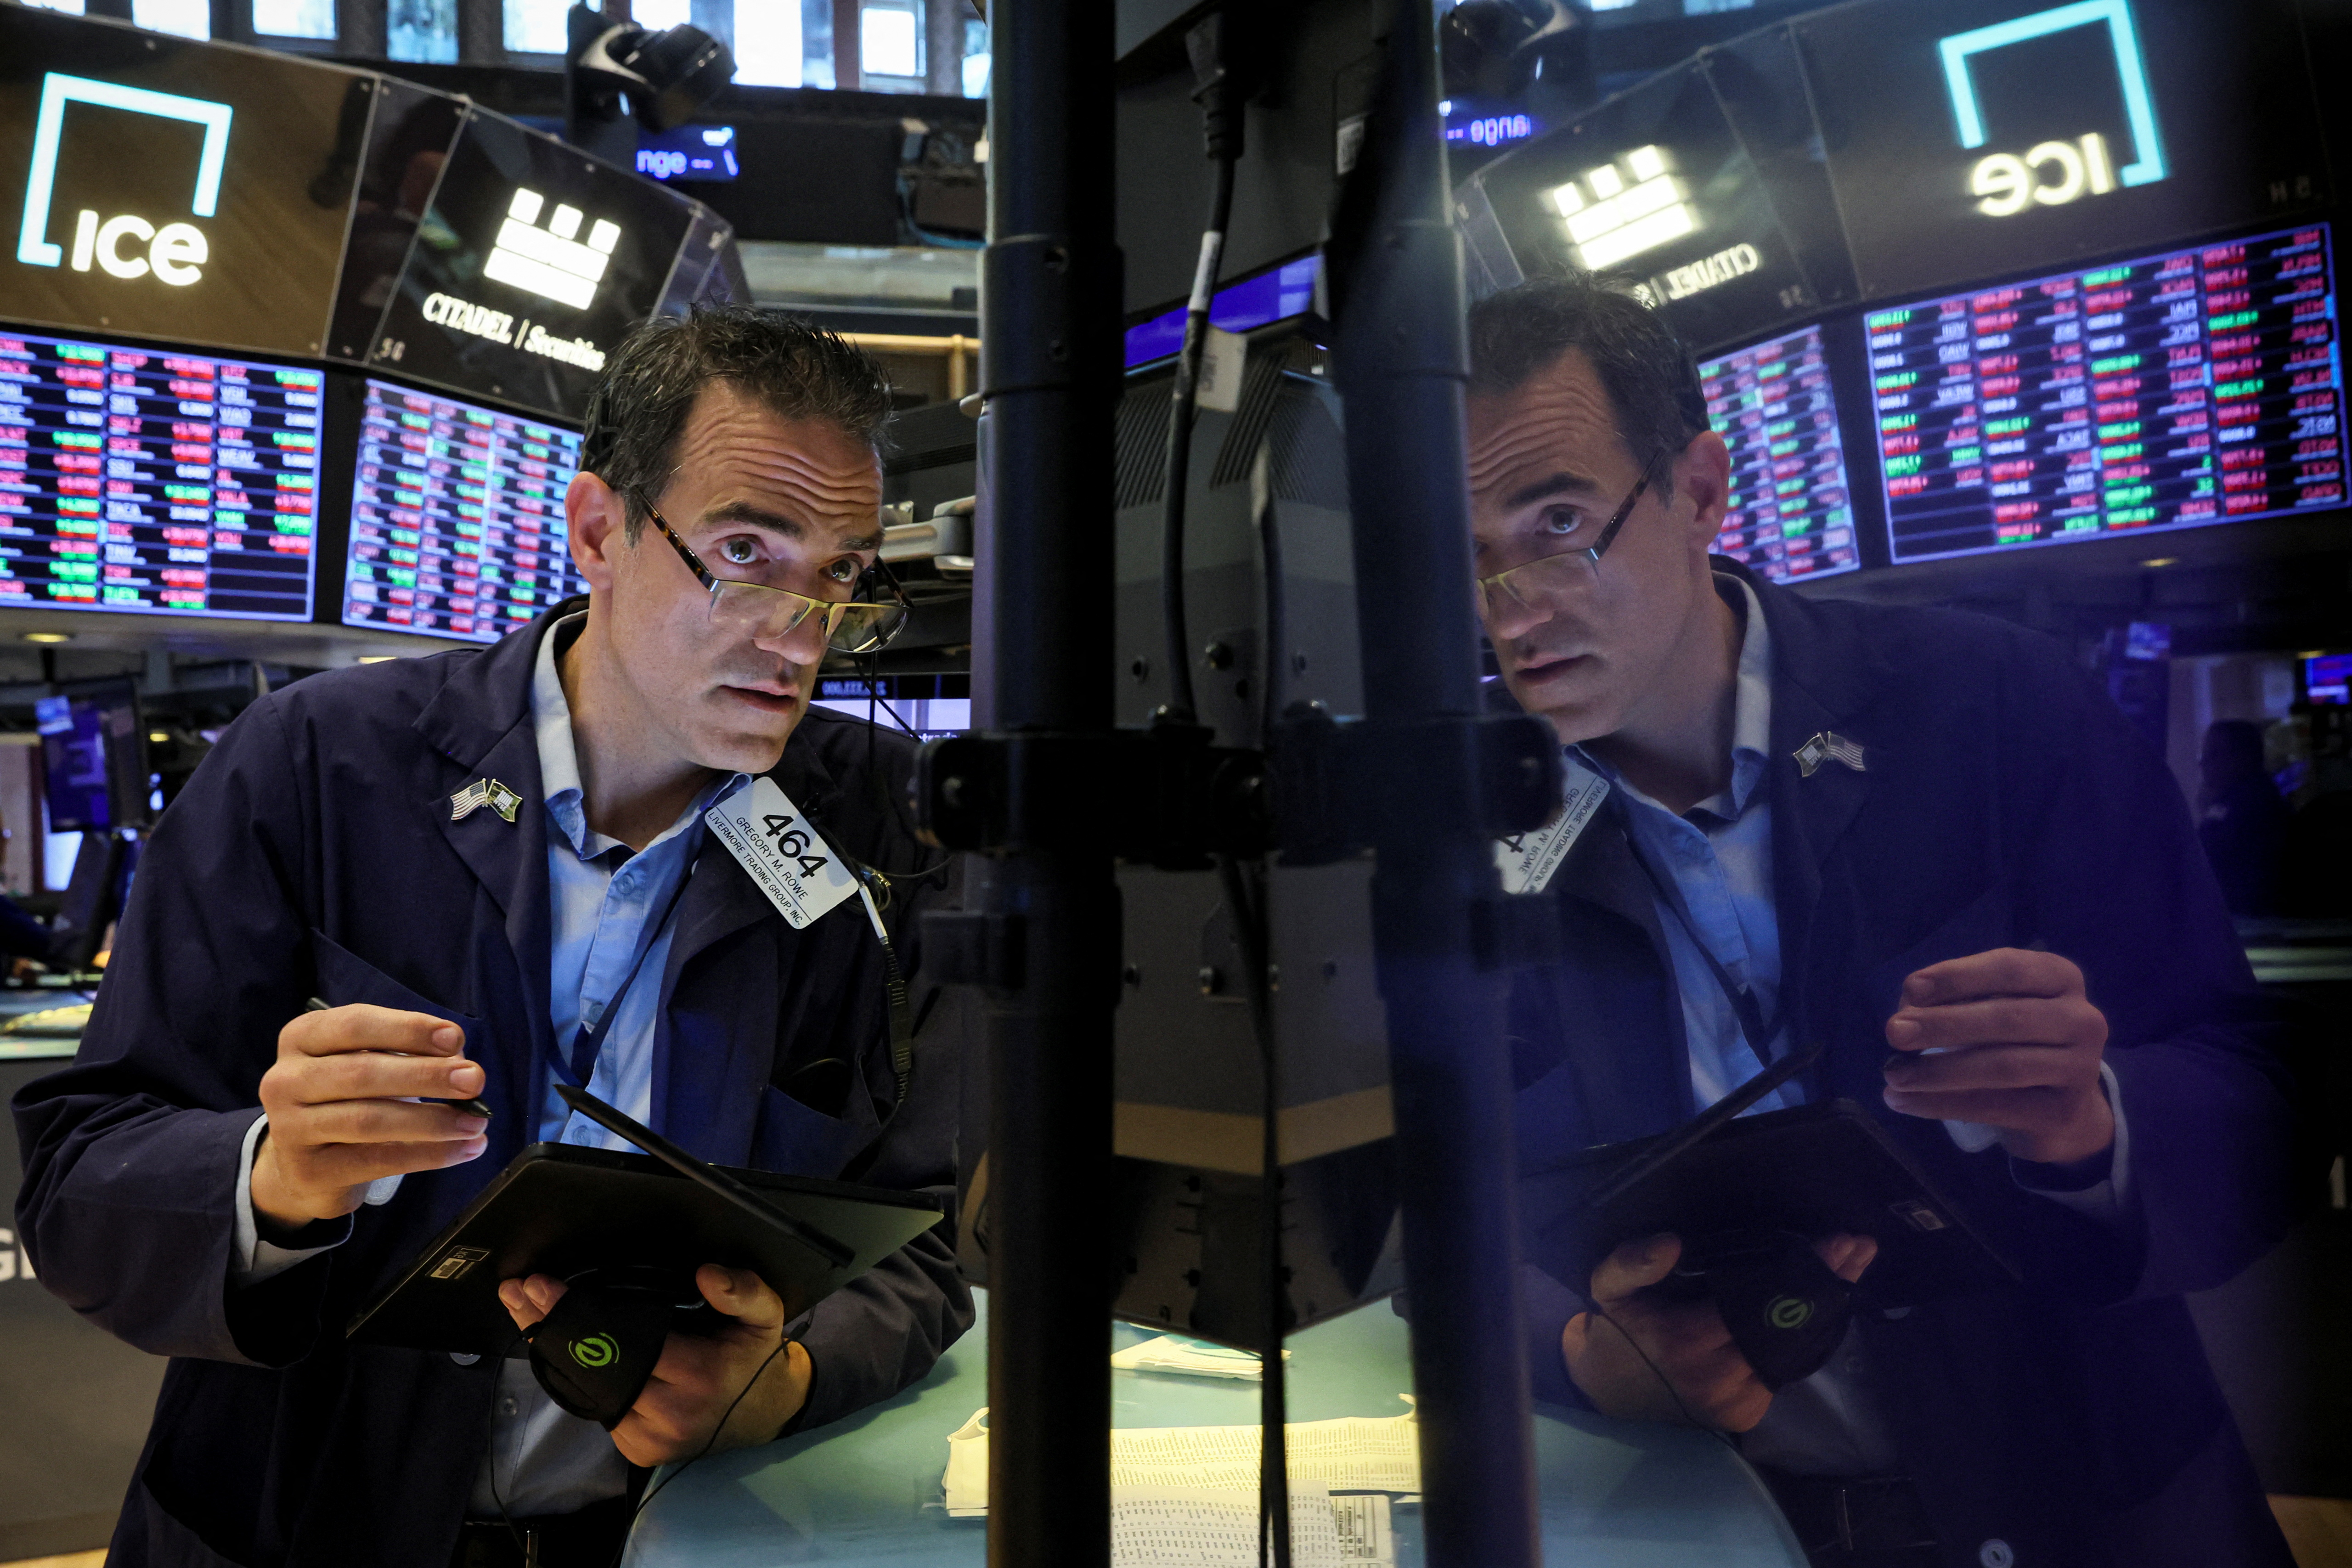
[494, 795]
[1828, 746]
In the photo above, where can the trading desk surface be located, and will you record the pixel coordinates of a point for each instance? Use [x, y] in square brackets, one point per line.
[867, 1490]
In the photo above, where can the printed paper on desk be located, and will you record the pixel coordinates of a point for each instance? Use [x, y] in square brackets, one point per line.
[781, 850]
[1352, 1453]
[1191, 1527]
[1528, 859]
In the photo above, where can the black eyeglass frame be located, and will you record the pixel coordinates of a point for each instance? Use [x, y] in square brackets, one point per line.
[878, 574]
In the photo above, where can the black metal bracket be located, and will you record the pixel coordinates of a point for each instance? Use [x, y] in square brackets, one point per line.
[1166, 798]
[1336, 785]
[1163, 797]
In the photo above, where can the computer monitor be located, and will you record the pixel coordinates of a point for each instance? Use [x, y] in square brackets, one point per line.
[2327, 680]
[73, 763]
[1791, 513]
[93, 898]
[456, 517]
[2196, 387]
[156, 481]
[94, 761]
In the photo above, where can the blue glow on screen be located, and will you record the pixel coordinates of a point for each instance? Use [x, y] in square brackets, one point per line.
[1288, 291]
[1492, 130]
[687, 153]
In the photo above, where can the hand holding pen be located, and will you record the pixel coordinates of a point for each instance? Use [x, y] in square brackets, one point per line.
[359, 1093]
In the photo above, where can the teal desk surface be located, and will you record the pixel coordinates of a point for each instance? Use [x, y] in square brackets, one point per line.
[866, 1490]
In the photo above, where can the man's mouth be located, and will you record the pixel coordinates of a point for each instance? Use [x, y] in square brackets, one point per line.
[1538, 668]
[766, 698]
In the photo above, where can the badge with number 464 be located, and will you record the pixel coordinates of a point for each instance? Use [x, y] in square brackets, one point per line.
[782, 851]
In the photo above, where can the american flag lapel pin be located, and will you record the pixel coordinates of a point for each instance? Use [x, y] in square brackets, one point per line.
[1826, 747]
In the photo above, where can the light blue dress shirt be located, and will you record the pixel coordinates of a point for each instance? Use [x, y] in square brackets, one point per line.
[1717, 861]
[600, 900]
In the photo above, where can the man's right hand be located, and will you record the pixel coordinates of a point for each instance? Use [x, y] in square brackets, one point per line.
[341, 1109]
[1707, 1379]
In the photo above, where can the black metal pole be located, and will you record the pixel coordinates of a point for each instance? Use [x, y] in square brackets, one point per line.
[1050, 304]
[1401, 364]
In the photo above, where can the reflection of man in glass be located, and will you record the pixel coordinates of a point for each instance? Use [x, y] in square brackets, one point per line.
[1870, 828]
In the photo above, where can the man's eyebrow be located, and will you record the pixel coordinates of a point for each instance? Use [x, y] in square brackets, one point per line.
[1561, 483]
[756, 517]
[792, 528]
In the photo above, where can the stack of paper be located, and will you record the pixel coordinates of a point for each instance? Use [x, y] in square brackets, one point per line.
[1191, 1358]
[1176, 1527]
[1353, 1454]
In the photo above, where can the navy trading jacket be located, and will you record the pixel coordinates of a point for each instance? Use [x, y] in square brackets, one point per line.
[2072, 1422]
[313, 854]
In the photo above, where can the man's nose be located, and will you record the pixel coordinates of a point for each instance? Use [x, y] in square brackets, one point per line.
[1507, 616]
[802, 643]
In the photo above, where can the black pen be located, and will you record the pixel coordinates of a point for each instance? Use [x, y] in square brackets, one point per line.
[470, 1107]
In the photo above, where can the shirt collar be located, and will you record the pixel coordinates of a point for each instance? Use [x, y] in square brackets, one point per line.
[558, 754]
[1751, 707]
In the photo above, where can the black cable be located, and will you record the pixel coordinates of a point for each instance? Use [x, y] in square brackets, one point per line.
[657, 1489]
[1664, 1381]
[1183, 399]
[1247, 909]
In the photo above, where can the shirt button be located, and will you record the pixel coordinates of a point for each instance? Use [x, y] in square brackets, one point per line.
[509, 1406]
[1996, 1554]
[462, 1359]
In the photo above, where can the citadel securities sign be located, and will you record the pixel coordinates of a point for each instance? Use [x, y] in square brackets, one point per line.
[531, 266]
[169, 188]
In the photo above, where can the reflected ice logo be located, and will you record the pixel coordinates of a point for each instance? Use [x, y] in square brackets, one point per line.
[1609, 220]
[550, 262]
[2008, 182]
[175, 251]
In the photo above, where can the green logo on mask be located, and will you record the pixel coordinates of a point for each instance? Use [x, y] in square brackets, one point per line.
[1788, 1312]
[595, 1350]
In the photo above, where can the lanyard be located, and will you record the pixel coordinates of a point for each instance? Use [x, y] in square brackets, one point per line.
[1759, 1030]
[590, 1040]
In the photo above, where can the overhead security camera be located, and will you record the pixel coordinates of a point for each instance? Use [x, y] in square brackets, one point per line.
[617, 76]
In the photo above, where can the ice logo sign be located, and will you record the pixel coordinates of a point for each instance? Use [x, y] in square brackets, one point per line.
[2055, 173]
[1611, 217]
[550, 262]
[172, 252]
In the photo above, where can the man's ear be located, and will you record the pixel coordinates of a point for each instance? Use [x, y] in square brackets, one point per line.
[1703, 474]
[593, 517]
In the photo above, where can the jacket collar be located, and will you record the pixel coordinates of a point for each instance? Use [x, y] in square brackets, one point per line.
[481, 721]
[1825, 680]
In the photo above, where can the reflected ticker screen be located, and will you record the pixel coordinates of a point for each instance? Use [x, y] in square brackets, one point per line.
[148, 481]
[456, 517]
[1791, 515]
[2199, 386]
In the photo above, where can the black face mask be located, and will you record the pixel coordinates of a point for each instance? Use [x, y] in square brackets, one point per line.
[595, 1350]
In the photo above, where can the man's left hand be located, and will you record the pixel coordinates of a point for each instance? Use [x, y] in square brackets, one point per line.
[2008, 1039]
[699, 1376]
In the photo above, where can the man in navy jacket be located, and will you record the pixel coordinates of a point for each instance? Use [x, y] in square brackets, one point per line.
[225, 1179]
[1872, 827]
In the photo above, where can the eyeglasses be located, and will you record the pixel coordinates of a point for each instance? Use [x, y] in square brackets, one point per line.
[765, 614]
[1531, 583]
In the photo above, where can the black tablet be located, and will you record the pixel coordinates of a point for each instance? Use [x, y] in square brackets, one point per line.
[559, 1209]
[1817, 1169]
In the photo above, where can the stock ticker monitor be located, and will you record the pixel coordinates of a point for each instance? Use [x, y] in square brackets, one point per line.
[1791, 514]
[2195, 387]
[156, 481]
[456, 524]
[2328, 678]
